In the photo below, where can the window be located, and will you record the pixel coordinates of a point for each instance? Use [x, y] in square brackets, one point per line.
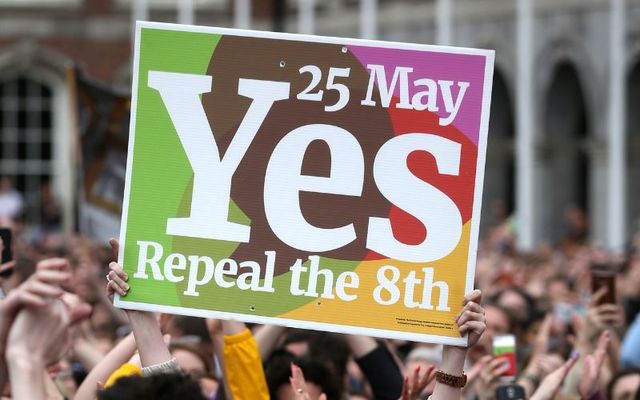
[26, 140]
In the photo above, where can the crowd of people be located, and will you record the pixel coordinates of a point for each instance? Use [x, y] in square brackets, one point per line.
[61, 338]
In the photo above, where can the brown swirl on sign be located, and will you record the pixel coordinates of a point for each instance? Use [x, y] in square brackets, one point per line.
[240, 57]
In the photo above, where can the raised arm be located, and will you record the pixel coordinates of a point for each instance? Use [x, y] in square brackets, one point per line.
[154, 354]
[36, 292]
[450, 378]
[361, 345]
[119, 355]
[243, 366]
[214, 327]
[267, 337]
[378, 366]
[38, 338]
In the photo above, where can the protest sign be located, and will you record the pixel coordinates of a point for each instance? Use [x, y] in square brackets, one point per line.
[320, 183]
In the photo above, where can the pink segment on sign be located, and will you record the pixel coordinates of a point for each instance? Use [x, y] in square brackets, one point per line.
[438, 67]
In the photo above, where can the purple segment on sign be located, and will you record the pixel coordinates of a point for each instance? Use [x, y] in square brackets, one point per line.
[439, 67]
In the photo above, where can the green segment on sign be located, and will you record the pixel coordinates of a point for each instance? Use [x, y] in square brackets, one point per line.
[151, 200]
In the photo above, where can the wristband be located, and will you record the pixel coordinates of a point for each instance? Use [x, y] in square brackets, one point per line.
[167, 367]
[451, 380]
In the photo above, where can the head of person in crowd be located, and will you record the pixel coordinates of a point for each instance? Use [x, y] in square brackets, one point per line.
[576, 227]
[297, 341]
[327, 348]
[519, 303]
[332, 350]
[499, 321]
[155, 387]
[625, 385]
[182, 326]
[196, 363]
[192, 359]
[559, 289]
[424, 356]
[318, 377]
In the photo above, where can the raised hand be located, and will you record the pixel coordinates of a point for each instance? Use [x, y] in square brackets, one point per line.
[471, 319]
[600, 317]
[116, 277]
[413, 391]
[39, 337]
[493, 368]
[591, 367]
[39, 290]
[551, 384]
[43, 333]
[541, 344]
[146, 330]
[542, 363]
[299, 385]
[117, 280]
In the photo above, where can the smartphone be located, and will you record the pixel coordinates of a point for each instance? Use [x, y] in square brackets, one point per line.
[7, 253]
[563, 312]
[601, 278]
[510, 392]
[504, 347]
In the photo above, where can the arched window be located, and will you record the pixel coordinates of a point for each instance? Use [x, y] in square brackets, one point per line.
[26, 146]
[499, 184]
[565, 170]
[633, 138]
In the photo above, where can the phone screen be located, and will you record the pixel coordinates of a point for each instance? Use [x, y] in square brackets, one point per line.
[510, 392]
[7, 254]
[504, 346]
[606, 279]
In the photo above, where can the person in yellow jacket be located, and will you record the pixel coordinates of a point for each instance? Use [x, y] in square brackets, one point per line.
[239, 356]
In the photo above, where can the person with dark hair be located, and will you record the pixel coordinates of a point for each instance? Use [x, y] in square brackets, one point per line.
[519, 302]
[333, 351]
[625, 385]
[374, 359]
[170, 386]
[296, 341]
[450, 378]
[192, 360]
[499, 321]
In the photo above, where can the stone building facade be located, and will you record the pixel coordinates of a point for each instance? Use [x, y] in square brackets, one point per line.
[40, 39]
